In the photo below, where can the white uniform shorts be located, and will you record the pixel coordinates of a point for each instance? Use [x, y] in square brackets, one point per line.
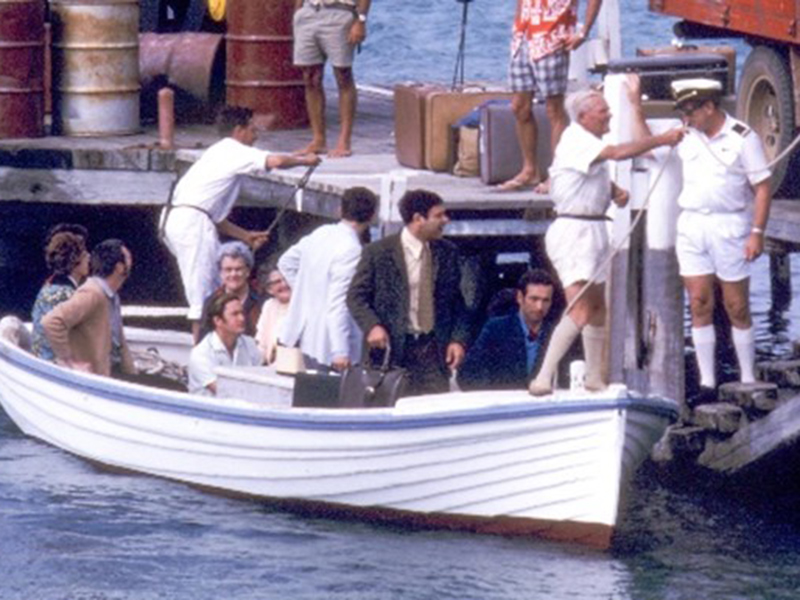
[192, 238]
[577, 249]
[713, 244]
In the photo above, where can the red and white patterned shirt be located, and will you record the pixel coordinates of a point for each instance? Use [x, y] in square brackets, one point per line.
[546, 24]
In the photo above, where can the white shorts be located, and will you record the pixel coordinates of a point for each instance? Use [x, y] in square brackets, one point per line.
[192, 238]
[713, 244]
[577, 249]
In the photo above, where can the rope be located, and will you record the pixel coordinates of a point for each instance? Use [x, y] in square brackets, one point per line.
[300, 185]
[783, 154]
[622, 242]
[786, 151]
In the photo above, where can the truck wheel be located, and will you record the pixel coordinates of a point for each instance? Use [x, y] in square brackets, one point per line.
[765, 101]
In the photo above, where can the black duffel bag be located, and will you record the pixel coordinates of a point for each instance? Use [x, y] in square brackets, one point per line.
[368, 386]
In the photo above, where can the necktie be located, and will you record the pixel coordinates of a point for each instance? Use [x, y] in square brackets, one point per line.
[425, 311]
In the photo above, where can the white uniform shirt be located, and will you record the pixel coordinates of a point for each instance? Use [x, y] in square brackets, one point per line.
[213, 182]
[319, 269]
[578, 185]
[211, 353]
[708, 185]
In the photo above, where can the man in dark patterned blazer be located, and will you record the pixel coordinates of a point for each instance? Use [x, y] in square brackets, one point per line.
[406, 296]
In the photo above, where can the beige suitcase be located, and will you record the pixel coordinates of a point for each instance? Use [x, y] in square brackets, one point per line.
[409, 122]
[442, 110]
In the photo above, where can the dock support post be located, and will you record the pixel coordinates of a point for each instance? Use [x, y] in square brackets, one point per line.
[780, 271]
[646, 304]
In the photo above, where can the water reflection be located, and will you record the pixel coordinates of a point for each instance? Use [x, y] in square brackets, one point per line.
[71, 531]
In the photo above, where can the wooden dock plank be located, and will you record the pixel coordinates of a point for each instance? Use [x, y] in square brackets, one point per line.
[119, 170]
[756, 441]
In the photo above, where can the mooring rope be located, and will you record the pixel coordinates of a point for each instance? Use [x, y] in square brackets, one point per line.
[782, 156]
[615, 250]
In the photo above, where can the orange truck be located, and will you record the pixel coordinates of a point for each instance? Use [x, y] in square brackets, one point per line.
[768, 95]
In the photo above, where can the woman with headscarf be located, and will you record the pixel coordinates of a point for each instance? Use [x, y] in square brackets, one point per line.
[274, 311]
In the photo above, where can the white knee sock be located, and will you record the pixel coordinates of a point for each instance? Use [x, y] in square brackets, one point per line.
[563, 335]
[594, 341]
[745, 347]
[705, 341]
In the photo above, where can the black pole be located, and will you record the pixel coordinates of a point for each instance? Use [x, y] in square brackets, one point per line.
[458, 73]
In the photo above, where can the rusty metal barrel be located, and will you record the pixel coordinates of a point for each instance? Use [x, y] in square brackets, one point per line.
[95, 67]
[189, 61]
[21, 68]
[259, 69]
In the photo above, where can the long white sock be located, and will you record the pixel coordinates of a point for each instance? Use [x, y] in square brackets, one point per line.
[594, 341]
[745, 346]
[705, 341]
[563, 335]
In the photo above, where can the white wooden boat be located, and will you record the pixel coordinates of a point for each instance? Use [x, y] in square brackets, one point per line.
[501, 462]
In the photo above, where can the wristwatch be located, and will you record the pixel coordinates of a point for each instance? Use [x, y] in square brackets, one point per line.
[362, 17]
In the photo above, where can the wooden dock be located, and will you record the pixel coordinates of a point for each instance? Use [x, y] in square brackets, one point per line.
[134, 171]
[752, 434]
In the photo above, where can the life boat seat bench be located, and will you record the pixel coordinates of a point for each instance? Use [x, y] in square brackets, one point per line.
[262, 384]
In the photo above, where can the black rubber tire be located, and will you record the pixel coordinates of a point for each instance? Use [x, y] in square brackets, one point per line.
[765, 101]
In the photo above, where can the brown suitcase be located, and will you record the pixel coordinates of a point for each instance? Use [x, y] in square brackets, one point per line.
[409, 122]
[729, 52]
[442, 109]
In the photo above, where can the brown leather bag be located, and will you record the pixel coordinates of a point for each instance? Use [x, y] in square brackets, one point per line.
[368, 386]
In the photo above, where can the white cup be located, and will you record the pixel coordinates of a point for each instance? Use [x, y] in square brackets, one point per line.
[577, 375]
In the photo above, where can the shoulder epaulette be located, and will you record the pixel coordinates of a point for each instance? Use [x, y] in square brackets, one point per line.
[742, 130]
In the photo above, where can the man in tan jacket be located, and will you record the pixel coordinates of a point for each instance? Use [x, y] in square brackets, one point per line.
[85, 331]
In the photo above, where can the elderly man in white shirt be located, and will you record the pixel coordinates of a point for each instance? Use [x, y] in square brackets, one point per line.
[225, 346]
[725, 205]
[577, 242]
[319, 269]
[203, 199]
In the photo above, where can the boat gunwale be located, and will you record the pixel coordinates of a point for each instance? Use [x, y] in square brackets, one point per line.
[214, 409]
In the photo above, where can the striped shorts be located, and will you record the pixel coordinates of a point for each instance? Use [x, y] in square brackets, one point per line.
[544, 77]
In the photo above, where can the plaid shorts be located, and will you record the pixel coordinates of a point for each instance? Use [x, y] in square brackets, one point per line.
[544, 77]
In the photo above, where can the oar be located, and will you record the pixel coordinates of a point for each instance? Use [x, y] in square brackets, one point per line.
[297, 187]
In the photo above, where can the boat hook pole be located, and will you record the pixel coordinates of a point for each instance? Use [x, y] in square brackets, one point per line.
[301, 184]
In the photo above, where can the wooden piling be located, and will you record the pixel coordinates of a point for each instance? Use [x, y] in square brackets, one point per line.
[646, 295]
[780, 270]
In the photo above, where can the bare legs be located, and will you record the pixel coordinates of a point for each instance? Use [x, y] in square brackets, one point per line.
[735, 299]
[348, 98]
[527, 137]
[315, 104]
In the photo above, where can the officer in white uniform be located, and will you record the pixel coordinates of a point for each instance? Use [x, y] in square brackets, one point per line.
[577, 242]
[724, 210]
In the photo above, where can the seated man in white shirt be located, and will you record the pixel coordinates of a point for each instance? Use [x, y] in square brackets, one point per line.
[225, 346]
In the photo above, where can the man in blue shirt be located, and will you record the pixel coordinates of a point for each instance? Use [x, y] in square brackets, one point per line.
[510, 348]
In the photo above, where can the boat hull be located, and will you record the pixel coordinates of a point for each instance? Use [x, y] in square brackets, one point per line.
[499, 462]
